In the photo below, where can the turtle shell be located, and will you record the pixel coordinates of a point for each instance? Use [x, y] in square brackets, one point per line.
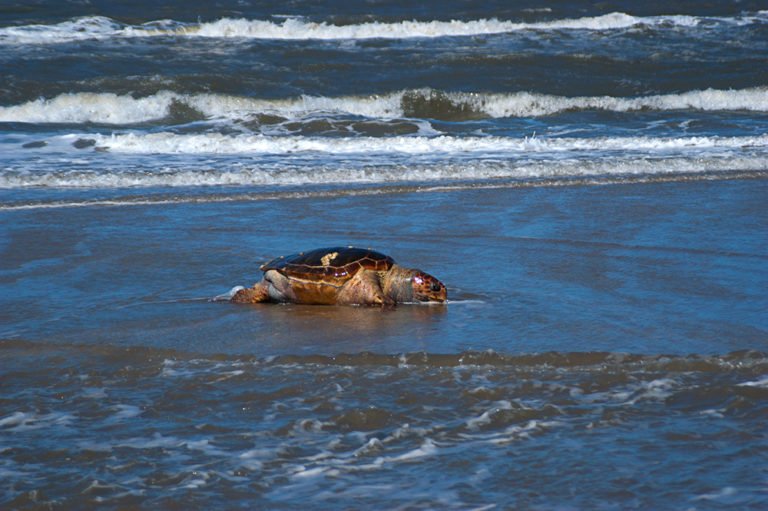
[333, 266]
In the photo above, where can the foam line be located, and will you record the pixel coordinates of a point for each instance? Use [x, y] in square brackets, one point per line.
[216, 143]
[435, 174]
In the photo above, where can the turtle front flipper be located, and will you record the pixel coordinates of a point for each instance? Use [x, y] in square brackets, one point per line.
[363, 289]
[259, 293]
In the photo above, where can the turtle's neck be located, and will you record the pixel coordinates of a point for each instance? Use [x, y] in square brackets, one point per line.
[396, 283]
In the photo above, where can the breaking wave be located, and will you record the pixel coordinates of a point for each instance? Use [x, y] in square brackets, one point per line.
[546, 171]
[98, 27]
[215, 143]
[114, 109]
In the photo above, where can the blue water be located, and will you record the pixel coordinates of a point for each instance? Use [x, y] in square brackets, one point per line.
[589, 181]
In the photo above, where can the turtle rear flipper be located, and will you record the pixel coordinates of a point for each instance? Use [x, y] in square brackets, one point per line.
[364, 289]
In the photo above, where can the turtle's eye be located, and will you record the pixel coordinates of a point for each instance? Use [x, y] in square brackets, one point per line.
[435, 287]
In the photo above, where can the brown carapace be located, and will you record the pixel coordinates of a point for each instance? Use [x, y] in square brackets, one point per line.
[341, 276]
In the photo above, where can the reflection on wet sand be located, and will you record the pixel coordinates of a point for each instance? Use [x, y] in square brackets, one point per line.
[346, 325]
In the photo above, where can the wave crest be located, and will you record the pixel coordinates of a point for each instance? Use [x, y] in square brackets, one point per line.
[519, 168]
[99, 28]
[114, 109]
[215, 143]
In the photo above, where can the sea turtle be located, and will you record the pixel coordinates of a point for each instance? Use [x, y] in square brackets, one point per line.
[344, 276]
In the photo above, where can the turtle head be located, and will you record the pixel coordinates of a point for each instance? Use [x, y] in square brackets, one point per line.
[427, 288]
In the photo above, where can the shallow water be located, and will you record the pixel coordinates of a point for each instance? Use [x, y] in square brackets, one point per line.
[589, 181]
[582, 268]
[124, 427]
[592, 353]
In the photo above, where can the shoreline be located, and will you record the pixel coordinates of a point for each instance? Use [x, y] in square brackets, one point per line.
[194, 197]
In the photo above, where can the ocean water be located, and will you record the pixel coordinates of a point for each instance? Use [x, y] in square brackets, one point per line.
[590, 181]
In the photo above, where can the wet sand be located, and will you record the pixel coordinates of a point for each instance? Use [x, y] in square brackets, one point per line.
[675, 267]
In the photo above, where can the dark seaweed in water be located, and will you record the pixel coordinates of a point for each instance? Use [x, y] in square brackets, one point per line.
[435, 104]
[82, 143]
[35, 145]
[180, 113]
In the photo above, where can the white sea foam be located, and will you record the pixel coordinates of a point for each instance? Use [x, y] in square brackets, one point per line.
[621, 166]
[98, 27]
[109, 108]
[125, 412]
[26, 421]
[225, 297]
[427, 448]
[654, 390]
[216, 143]
[525, 104]
[78, 29]
[520, 432]
[475, 423]
[763, 382]
[293, 28]
[87, 107]
[724, 493]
